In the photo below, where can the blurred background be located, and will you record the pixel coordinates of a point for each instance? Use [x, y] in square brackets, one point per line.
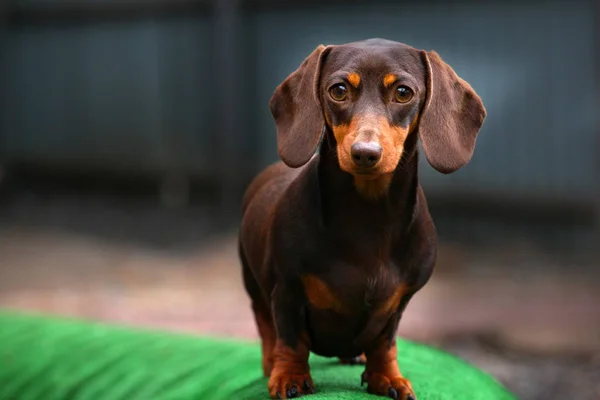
[129, 130]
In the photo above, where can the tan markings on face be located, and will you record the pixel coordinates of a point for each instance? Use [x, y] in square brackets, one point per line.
[389, 79]
[414, 123]
[354, 79]
[320, 296]
[372, 188]
[371, 128]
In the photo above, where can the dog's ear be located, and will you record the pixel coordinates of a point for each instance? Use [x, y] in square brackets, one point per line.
[297, 111]
[451, 118]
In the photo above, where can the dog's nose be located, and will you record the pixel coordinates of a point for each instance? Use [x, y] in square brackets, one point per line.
[366, 154]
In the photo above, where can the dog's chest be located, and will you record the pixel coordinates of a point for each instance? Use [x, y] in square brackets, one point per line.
[348, 308]
[354, 291]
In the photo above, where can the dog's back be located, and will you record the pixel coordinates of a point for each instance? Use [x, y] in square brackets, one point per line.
[270, 182]
[259, 208]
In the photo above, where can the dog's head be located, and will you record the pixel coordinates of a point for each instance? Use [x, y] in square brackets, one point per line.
[372, 95]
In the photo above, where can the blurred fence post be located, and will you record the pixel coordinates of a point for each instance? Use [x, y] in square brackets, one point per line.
[3, 78]
[597, 99]
[227, 62]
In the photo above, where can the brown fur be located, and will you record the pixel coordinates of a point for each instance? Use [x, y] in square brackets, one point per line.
[290, 370]
[449, 141]
[382, 372]
[334, 245]
[393, 302]
[268, 336]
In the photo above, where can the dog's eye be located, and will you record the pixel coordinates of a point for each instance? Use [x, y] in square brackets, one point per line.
[338, 92]
[403, 94]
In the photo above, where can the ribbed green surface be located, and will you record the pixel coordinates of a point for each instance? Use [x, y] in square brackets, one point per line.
[44, 358]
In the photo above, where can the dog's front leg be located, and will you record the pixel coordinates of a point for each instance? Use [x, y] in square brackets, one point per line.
[290, 377]
[382, 373]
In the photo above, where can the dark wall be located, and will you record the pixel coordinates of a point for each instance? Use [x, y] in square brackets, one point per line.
[184, 85]
[133, 94]
[531, 62]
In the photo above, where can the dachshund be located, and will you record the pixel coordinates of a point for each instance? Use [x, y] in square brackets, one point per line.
[336, 238]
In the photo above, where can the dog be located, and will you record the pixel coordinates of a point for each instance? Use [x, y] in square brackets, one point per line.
[337, 238]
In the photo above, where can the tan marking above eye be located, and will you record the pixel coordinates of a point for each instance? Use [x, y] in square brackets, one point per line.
[354, 79]
[388, 80]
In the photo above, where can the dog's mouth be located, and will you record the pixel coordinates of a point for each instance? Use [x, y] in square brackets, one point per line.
[366, 173]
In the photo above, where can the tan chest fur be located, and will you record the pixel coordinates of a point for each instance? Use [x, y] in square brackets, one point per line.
[380, 301]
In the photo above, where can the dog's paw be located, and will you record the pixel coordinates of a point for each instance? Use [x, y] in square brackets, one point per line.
[394, 387]
[358, 360]
[289, 385]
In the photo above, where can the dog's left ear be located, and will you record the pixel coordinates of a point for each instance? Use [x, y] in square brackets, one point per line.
[297, 111]
[451, 118]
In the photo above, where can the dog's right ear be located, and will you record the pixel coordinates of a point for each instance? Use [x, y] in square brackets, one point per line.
[297, 111]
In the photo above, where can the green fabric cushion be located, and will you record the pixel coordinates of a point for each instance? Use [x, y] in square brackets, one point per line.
[45, 358]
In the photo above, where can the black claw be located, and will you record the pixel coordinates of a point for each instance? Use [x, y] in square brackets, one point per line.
[363, 379]
[392, 393]
[411, 397]
[293, 392]
[308, 387]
